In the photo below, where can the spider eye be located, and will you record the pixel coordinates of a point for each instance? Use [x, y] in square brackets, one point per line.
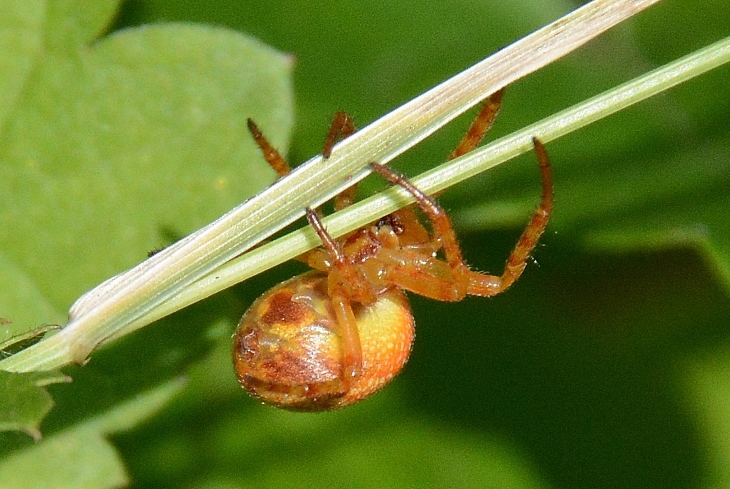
[393, 221]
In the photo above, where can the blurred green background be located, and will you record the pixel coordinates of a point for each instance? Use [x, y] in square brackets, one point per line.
[608, 365]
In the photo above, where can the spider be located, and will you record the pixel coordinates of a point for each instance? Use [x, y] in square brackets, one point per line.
[333, 336]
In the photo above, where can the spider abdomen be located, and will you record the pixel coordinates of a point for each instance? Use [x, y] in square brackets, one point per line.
[287, 350]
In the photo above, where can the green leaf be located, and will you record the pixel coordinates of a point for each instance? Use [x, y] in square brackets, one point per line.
[411, 454]
[25, 402]
[707, 378]
[80, 456]
[167, 104]
[76, 460]
[112, 147]
[22, 306]
[70, 23]
[685, 206]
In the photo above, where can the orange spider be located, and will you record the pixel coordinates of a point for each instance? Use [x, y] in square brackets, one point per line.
[335, 335]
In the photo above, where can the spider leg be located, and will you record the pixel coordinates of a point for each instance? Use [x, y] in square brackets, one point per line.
[275, 160]
[342, 127]
[482, 123]
[328, 241]
[442, 230]
[344, 283]
[349, 338]
[344, 275]
[272, 156]
[487, 285]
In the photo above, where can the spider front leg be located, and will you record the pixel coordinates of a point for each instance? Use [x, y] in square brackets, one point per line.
[341, 128]
[271, 155]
